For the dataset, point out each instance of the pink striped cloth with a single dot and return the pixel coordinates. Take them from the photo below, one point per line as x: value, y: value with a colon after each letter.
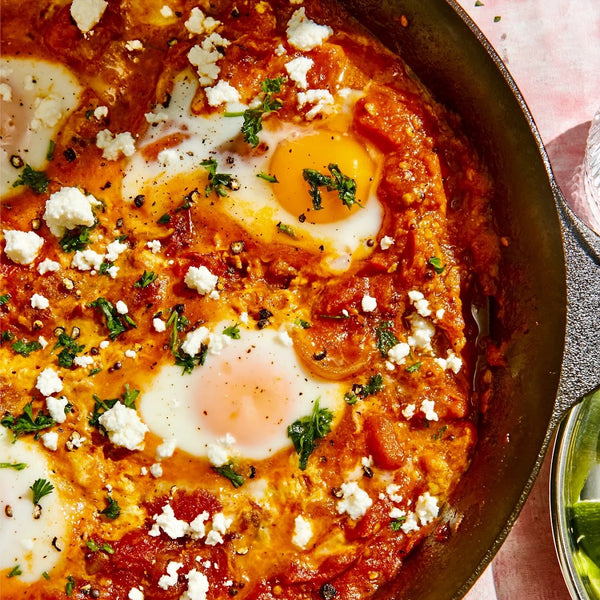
x: 552, y: 50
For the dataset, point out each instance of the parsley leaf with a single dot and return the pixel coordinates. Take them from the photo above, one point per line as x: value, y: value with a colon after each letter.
x: 105, y: 547
x: 128, y: 398
x: 36, y: 180
x: 217, y: 182
x: 344, y: 185
x: 304, y: 431
x: 233, y: 331
x: 70, y: 349
x: 396, y: 524
x: 70, y: 585
x: 436, y: 263
x: 15, y: 571
x: 228, y: 472
x: 25, y: 348
x: 40, y: 488
x: 267, y: 177
x: 4, y: 299
x: 286, y: 229
x: 15, y: 466
x: 146, y: 279
x: 112, y: 510
x: 183, y: 359
x: 253, y: 117
x: 25, y: 423
x: 374, y: 385
x: 76, y: 239
x: 413, y: 368
x: 385, y: 337
x: 114, y: 321
x: 166, y: 218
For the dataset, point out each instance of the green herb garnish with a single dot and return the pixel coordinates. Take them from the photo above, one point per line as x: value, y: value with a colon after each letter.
x: 344, y: 185
x: 128, y: 398
x: 70, y: 349
x: 15, y: 571
x: 233, y: 331
x: 374, y: 385
x: 436, y: 263
x: 146, y: 279
x: 50, y: 151
x: 396, y: 524
x: 15, y: 466
x: 302, y: 323
x: 267, y: 177
x: 304, y: 431
x: 76, y: 239
x: 414, y: 367
x: 166, y: 218
x: 70, y: 585
x: 36, y: 180
x: 4, y: 299
x: 286, y: 229
x: 228, y: 472
x: 112, y: 510
x: 106, y: 547
x: 217, y: 182
x: 385, y: 337
x: 25, y: 348
x: 115, y: 322
x: 40, y: 488
x: 26, y: 423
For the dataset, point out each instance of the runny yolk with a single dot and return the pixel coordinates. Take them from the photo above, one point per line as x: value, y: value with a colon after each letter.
x: 246, y: 396
x: 317, y: 152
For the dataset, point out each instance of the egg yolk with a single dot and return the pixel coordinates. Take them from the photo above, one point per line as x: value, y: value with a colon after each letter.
x: 317, y: 152
x: 248, y: 398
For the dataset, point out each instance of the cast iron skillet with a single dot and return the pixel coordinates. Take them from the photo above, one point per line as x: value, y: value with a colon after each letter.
x: 551, y: 283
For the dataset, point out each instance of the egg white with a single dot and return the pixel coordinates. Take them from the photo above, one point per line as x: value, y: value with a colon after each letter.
x: 26, y: 128
x: 254, y: 205
x: 252, y: 389
x: 30, y: 543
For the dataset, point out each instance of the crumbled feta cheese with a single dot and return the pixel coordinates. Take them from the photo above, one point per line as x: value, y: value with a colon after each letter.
x: 170, y: 579
x: 5, y: 92
x: 451, y: 362
x: 199, y: 23
x: 48, y: 266
x: 426, y: 508
x: 130, y: 353
x: 386, y: 242
x: 193, y: 341
x: 397, y: 354
x: 22, y: 247
x: 104, y: 344
x: 87, y: 260
x: 113, y: 145
x: 197, y: 586
x: 48, y: 382
x: 166, y: 449
x: 154, y: 246
x: 392, y: 491
x: 205, y: 57
x: 121, y: 307
x: 169, y: 157
x: 100, y: 112
x: 213, y: 538
x: 124, y: 427
x: 280, y: 50
x: 320, y: 98
x: 302, y: 532
x: 83, y: 361
x: 197, y: 528
x: 69, y: 208
x: 439, y: 314
x: 428, y: 409
x: 409, y: 411
x: 133, y: 45
x: 355, y: 501
x: 419, y: 302
x: 166, y: 11
x: 114, y: 250
x: 221, y: 93
x: 112, y: 271
x: 159, y: 325
x: 422, y: 333
x: 48, y: 112
x: 221, y: 523
x: 135, y: 594
x: 410, y: 523
x: 42, y: 341
x: 156, y: 470
x: 56, y: 406
x: 50, y: 440
x: 167, y: 521
x: 298, y: 69
x: 304, y: 34
x: 201, y: 279
x: 368, y: 303
x: 284, y: 338
x: 156, y: 118
x: 40, y: 302
x: 87, y: 13
x: 219, y: 452
x: 244, y: 318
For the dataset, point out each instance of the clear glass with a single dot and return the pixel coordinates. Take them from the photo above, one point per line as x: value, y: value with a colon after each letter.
x: 575, y: 498
x: 591, y: 172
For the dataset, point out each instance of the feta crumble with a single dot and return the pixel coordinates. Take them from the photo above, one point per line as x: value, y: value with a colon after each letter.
x: 409, y: 411
x: 170, y: 579
x: 56, y: 407
x: 221, y: 93
x: 201, y: 279
x: 386, y: 242
x: 321, y: 99
x: 298, y: 69
x: 197, y: 586
x: 87, y: 13
x: 48, y: 382
x: 22, y: 247
x: 355, y: 501
x: 159, y: 325
x: 167, y: 521
x: 304, y: 34
x: 115, y: 144
x: 199, y: 23
x: 451, y: 362
x: 426, y: 508
x: 205, y: 56
x: 154, y: 246
x: 48, y: 266
x: 124, y: 427
x: 100, y: 112
x: 419, y: 302
x: 193, y: 341
x: 428, y: 409
x: 87, y: 260
x: 68, y: 208
x: 133, y: 45
x: 397, y: 354
x: 197, y: 528
x: 50, y: 440
x: 83, y: 361
x: 114, y: 250
x: 219, y: 452
x: 121, y: 307
x: 422, y: 333
x: 135, y: 594
x: 368, y: 303
x: 302, y: 532
x: 166, y: 11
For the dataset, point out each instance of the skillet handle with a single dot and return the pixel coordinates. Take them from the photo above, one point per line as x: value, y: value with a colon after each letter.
x: 580, y: 372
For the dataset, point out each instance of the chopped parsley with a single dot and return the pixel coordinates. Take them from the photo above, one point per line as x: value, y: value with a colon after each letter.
x: 15, y: 466
x: 344, y: 185
x: 70, y: 349
x: 25, y: 348
x: 217, y: 182
x: 70, y: 585
x: 128, y: 398
x: 146, y: 279
x: 105, y: 547
x: 40, y: 488
x: 385, y: 337
x: 302, y: 323
x: 286, y: 229
x: 166, y: 218
x: 7, y: 336
x: 439, y: 434
x: 105, y: 267
x: 116, y: 323
x: 233, y: 331
x: 50, y: 151
x: 229, y: 472
x: 360, y: 391
x: 497, y: 18
x: 267, y: 177
x: 177, y: 321
x: 36, y: 180
x: 189, y: 363
x: 112, y: 510
x: 396, y: 524
x: 26, y: 423
x: 304, y: 431
x: 15, y: 571
x: 76, y: 239
x: 414, y: 367
x: 436, y: 263
x: 253, y: 117
x: 4, y: 299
